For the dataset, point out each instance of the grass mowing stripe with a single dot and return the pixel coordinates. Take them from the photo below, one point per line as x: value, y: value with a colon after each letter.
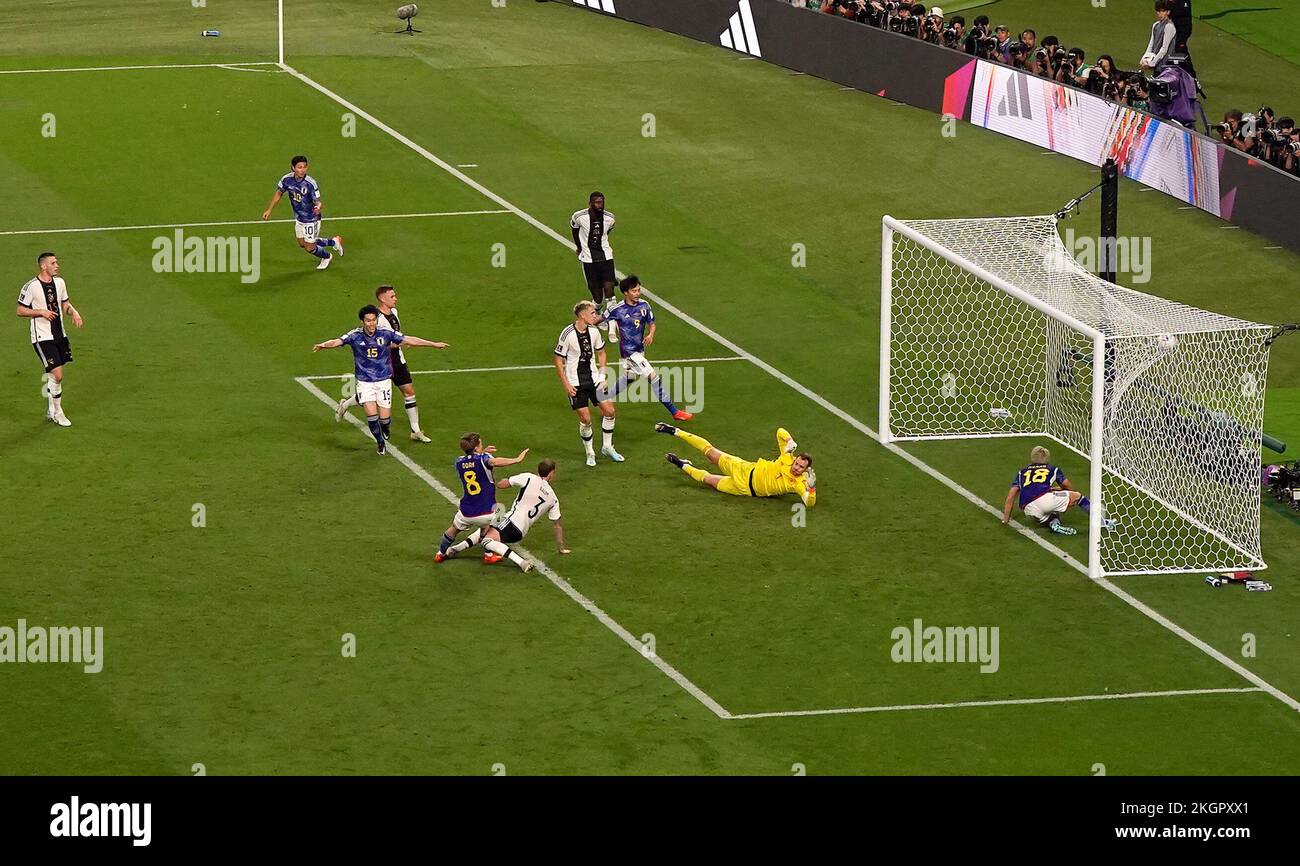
x: 563, y: 585
x: 1150, y: 613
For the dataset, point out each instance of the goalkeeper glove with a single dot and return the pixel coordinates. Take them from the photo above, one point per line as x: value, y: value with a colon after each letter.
x: 812, y: 478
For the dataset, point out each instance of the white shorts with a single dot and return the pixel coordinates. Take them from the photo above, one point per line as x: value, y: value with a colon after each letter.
x: 1054, y: 502
x: 376, y: 392
x: 636, y: 364
x: 306, y: 231
x: 462, y: 522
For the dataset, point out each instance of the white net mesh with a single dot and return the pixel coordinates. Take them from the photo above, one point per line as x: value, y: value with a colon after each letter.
x: 1183, y: 396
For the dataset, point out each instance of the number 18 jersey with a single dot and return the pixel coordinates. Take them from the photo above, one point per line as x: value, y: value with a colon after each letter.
x: 475, y: 474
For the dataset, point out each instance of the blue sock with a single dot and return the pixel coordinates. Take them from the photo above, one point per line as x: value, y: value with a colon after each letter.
x: 619, y: 386
x: 1085, y: 505
x: 321, y: 252
x: 447, y: 541
x: 325, y: 242
x: 663, y: 398
x: 386, y: 424
x: 372, y: 421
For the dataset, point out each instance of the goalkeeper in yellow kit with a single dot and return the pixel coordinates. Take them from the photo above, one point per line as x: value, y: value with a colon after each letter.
x: 788, y: 473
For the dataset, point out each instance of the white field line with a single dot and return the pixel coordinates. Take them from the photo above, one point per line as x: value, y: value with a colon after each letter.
x: 1155, y: 616
x: 378, y: 216
x: 541, y: 567
x: 995, y: 703
x: 517, y: 367
x: 144, y: 66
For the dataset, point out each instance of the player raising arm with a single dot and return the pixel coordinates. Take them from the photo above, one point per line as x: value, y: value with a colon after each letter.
x: 535, y: 496
x: 304, y: 195
x: 479, y: 500
x: 788, y: 473
x: 1044, y: 493
x: 373, y: 362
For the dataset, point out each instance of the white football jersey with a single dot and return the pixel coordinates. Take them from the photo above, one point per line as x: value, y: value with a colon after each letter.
x: 534, y: 498
x: 578, y: 349
x: 37, y: 297
x: 591, y: 248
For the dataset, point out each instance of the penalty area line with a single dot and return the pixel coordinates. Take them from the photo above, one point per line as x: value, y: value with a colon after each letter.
x: 1007, y: 702
x: 328, y: 219
x: 332, y: 377
x: 542, y: 568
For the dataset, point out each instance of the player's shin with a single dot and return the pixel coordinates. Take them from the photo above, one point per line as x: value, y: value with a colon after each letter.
x: 320, y: 252
x: 658, y: 385
x: 447, y: 541
x: 584, y: 432
x: 412, y: 414
x: 372, y: 421
x: 468, y: 542
x: 54, y: 391
x: 1085, y: 504
x: 607, y: 431
x: 698, y: 474
x: 497, y: 548
x: 697, y: 442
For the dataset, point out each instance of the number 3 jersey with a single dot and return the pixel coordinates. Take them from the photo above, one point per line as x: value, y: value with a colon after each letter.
x: 535, y: 497
x: 1035, y: 480
x: 475, y: 474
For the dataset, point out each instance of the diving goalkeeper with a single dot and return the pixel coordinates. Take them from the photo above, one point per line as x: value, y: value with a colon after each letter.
x: 788, y: 473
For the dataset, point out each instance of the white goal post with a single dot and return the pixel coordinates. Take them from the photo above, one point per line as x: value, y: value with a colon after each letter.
x: 990, y: 328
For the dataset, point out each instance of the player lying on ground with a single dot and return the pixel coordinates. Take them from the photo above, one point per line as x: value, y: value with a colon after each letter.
x: 535, y: 496
x: 44, y: 300
x: 304, y: 195
x: 580, y: 364
x: 635, y: 323
x: 788, y: 473
x: 1045, y: 493
x: 478, y: 503
x: 386, y: 296
x: 373, y: 363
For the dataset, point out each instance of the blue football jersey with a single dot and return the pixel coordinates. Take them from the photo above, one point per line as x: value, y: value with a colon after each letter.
x: 372, y: 353
x: 1035, y: 480
x: 480, y: 492
x: 303, y: 195
x: 633, y: 320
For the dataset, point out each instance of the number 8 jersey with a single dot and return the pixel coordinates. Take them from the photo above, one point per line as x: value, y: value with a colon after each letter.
x: 475, y: 474
x: 535, y: 497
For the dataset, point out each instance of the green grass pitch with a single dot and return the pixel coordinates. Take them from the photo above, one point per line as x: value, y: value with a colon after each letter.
x: 223, y: 643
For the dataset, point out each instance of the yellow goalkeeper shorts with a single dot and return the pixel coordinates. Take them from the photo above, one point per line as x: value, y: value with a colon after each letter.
x: 737, y: 472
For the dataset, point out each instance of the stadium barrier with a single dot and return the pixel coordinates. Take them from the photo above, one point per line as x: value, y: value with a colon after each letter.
x: 1162, y: 155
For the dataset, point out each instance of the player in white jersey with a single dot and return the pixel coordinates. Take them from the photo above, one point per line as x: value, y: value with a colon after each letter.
x: 535, y: 498
x: 386, y: 300
x: 580, y: 364
x: 44, y: 300
x: 591, y: 227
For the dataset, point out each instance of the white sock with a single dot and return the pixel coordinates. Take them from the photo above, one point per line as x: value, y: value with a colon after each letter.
x: 466, y: 543
x: 412, y: 414
x: 349, y: 402
x: 55, y: 392
x: 607, y: 429
x: 584, y: 431
x: 491, y: 545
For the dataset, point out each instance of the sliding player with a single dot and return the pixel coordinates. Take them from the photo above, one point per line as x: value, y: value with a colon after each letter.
x: 478, y: 504
x: 388, y: 321
x: 788, y: 473
x: 534, y: 497
x: 44, y: 300
x: 636, y: 330
x: 580, y: 364
x: 1045, y: 493
x: 304, y: 195
x: 374, y: 368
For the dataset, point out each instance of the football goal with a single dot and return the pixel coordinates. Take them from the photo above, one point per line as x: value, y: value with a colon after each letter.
x: 989, y: 328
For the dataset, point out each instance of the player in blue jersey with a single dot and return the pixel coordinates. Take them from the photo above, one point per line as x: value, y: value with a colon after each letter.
x: 304, y: 195
x: 478, y: 502
x: 1044, y: 493
x: 372, y: 355
x: 636, y: 330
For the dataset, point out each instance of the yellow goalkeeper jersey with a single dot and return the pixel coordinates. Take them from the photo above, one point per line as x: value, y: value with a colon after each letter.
x: 773, y: 477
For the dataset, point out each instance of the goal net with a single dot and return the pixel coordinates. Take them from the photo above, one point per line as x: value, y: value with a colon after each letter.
x: 989, y: 327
